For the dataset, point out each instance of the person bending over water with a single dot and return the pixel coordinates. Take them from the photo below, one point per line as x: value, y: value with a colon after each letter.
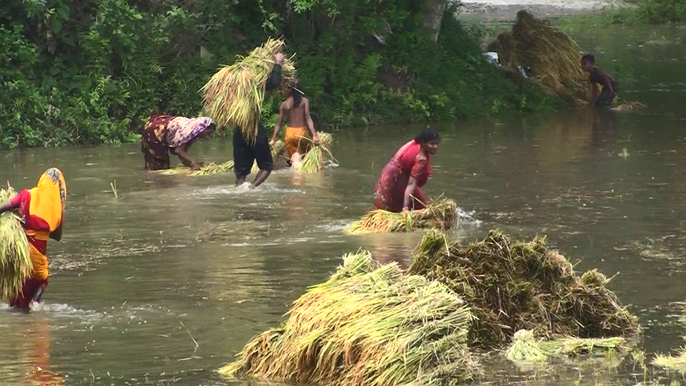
x: 602, y: 78
x: 167, y: 133
x: 399, y: 187
x: 297, y: 109
x: 41, y: 210
x: 246, y: 153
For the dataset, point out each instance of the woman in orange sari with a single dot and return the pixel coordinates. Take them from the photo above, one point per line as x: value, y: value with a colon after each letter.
x: 399, y: 187
x: 41, y: 210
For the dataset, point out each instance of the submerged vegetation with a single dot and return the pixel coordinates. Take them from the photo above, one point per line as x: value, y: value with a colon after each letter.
x: 93, y: 71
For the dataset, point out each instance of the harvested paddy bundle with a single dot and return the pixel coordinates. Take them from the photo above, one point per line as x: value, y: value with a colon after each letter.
x: 313, y: 161
x: 552, y: 56
x: 367, y: 325
x: 526, y: 348
x: 673, y: 363
x: 226, y: 167
x: 522, y: 285
x: 440, y: 214
x: 628, y: 106
x: 15, y: 260
x: 234, y: 95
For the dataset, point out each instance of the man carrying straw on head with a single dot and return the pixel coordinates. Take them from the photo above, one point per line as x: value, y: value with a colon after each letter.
x: 245, y: 152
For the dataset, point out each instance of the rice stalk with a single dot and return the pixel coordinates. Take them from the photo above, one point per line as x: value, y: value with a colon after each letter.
x: 440, y: 214
x: 672, y: 362
x: 515, y: 285
x: 526, y: 348
x: 234, y: 95
x: 628, y: 106
x: 313, y: 161
x: 15, y: 259
x: 367, y: 325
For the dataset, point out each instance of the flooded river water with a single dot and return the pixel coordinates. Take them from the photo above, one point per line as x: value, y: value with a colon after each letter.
x: 165, y: 283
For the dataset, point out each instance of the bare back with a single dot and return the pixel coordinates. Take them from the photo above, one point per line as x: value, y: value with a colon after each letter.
x: 297, y: 116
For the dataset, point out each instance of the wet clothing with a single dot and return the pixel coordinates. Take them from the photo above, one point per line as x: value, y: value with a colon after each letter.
x: 164, y: 133
x: 246, y: 153
x: 40, y: 209
x: 297, y: 140
x: 606, y: 97
x: 408, y: 162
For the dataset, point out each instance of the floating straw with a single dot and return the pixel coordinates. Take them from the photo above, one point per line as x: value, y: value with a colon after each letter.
x: 526, y: 348
x: 441, y: 214
x: 234, y: 95
x: 15, y: 260
x: 367, y: 325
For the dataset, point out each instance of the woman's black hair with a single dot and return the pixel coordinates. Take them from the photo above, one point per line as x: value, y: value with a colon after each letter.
x: 428, y: 135
x: 588, y: 58
x: 296, y: 94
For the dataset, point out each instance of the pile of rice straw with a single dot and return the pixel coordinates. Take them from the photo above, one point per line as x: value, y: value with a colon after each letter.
x: 526, y: 348
x: 551, y: 54
x: 234, y: 95
x: 15, y: 260
x: 440, y: 214
x: 511, y: 286
x: 226, y: 167
x: 367, y: 325
x: 313, y: 161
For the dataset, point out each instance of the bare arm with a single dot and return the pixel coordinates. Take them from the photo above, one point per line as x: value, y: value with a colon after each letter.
x: 186, y: 159
x: 275, y: 78
x: 608, y: 85
x: 279, y: 120
x: 594, y: 90
x: 409, y: 191
x: 310, y: 123
x: 7, y: 206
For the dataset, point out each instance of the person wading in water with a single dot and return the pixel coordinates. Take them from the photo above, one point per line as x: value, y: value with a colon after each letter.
x: 599, y: 77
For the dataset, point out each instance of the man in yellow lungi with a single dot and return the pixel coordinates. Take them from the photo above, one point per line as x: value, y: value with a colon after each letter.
x: 298, y: 140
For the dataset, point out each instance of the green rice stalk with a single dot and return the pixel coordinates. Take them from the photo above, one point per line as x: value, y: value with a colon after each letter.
x: 234, y: 95
x: 552, y: 55
x: 672, y: 362
x: 15, y: 260
x: 515, y: 285
x: 313, y: 161
x: 526, y: 348
x: 367, y: 325
x: 440, y: 214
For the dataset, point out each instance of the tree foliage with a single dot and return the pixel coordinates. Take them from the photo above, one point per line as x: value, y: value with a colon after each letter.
x: 92, y: 71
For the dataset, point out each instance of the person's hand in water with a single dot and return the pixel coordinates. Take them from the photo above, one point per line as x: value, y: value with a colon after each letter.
x: 278, y: 58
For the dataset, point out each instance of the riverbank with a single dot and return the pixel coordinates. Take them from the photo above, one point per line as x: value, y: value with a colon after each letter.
x: 506, y: 10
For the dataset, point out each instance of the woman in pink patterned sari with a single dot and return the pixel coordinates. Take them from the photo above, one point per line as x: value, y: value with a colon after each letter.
x: 166, y: 133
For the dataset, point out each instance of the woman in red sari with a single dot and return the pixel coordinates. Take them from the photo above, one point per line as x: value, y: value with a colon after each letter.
x: 399, y: 187
x: 41, y: 210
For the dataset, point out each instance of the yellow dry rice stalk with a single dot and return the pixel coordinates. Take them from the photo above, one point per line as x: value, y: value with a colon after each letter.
x: 441, y: 214
x: 670, y: 362
x: 367, y: 325
x: 313, y: 161
x: 515, y: 285
x: 553, y: 56
x: 226, y: 167
x: 15, y: 260
x: 526, y: 348
x: 234, y: 95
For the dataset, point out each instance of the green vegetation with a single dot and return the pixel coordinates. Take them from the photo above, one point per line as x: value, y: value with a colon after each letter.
x: 87, y: 71
x: 660, y: 11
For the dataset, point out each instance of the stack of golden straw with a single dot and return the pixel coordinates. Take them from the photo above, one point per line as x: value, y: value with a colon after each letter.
x: 15, y: 260
x: 234, y: 95
x: 440, y: 214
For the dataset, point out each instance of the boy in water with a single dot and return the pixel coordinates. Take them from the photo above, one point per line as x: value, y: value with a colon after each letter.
x: 297, y: 141
x: 599, y: 77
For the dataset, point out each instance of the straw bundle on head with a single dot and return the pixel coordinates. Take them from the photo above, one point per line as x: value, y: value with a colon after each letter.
x: 526, y: 348
x: 522, y: 285
x: 15, y: 260
x: 234, y: 95
x: 365, y: 326
x: 552, y: 55
x: 440, y: 214
x: 226, y: 167
x: 313, y: 161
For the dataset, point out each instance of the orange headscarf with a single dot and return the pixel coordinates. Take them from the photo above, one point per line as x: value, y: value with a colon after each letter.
x: 48, y: 198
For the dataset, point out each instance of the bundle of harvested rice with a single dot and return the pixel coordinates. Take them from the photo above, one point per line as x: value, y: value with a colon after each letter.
x: 670, y: 362
x: 526, y: 348
x: 226, y: 167
x: 522, y: 285
x: 234, y: 95
x: 366, y: 325
x: 628, y: 106
x: 440, y: 214
x: 15, y: 260
x: 313, y: 161
x: 552, y: 55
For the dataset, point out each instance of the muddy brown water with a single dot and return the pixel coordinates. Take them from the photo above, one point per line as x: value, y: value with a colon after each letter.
x: 166, y: 283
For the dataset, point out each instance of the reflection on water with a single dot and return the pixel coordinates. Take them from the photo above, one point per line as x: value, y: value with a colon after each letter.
x: 176, y: 260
